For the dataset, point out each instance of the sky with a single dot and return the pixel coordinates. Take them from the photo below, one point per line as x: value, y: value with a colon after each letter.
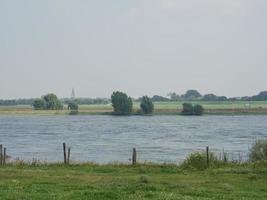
x: 141, y: 47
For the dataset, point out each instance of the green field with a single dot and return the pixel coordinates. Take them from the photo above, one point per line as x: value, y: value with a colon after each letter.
x: 123, y: 182
x: 241, y: 107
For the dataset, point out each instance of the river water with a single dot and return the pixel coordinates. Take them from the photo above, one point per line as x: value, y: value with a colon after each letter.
x: 105, y: 139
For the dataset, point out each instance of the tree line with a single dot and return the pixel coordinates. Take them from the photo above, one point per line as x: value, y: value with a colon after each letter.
x: 190, y: 95
x: 122, y: 105
x: 194, y: 95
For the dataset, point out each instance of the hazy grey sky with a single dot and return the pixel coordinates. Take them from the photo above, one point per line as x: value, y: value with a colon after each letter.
x: 137, y: 46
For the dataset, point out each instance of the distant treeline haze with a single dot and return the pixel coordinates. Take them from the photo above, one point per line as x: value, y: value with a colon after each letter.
x: 190, y: 95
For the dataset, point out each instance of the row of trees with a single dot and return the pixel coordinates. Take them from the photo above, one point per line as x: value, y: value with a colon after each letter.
x: 190, y: 95
x: 80, y: 101
x: 87, y: 101
x: 51, y: 102
x: 122, y: 105
x: 14, y: 102
x: 48, y: 102
x: 194, y: 95
x: 190, y: 109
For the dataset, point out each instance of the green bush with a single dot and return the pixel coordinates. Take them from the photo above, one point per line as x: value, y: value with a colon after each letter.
x: 39, y: 104
x: 52, y: 102
x: 147, y: 105
x: 73, y: 106
x: 121, y: 103
x: 198, y: 160
x: 258, y: 151
x: 198, y: 110
x: 189, y: 109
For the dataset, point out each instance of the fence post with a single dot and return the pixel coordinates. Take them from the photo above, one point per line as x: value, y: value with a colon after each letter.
x: 64, y: 152
x: 134, y: 156
x: 4, y: 160
x: 208, y: 156
x: 1, y: 154
x: 68, y: 160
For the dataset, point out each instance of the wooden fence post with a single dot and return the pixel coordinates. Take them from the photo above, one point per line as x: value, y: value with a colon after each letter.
x: 4, y: 160
x: 68, y: 160
x: 208, y: 156
x: 1, y: 154
x: 64, y: 152
x: 134, y: 156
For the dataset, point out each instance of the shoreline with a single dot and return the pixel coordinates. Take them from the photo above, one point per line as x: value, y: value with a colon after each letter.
x: 224, y: 112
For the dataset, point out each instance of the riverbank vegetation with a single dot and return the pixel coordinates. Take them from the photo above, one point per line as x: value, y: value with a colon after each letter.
x: 121, y: 103
x: 175, y: 104
x: 190, y: 109
x: 190, y: 95
x: 146, y: 105
x: 48, y: 102
x: 160, y: 108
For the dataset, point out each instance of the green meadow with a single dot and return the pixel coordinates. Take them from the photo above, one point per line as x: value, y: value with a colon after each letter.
x: 123, y: 182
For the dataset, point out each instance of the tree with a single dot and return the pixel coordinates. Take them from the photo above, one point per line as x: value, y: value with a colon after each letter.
x: 73, y: 106
x: 121, y: 103
x: 39, y: 104
x: 210, y: 97
x: 213, y: 97
x: 191, y: 95
x: 52, y: 102
x: 198, y: 110
x: 222, y: 98
x: 173, y: 96
x: 189, y: 109
x: 262, y: 96
x: 147, y: 105
x: 159, y: 98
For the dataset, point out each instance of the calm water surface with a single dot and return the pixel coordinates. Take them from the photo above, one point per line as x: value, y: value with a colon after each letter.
x: 106, y: 139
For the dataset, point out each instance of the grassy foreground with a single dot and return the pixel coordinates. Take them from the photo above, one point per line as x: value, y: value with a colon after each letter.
x: 89, y: 181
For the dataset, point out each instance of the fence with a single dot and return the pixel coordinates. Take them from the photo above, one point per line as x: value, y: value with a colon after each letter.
x: 237, y: 157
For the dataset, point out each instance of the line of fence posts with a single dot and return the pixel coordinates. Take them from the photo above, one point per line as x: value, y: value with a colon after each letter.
x: 66, y: 154
x: 2, y: 155
x: 134, y: 156
x: 208, y: 156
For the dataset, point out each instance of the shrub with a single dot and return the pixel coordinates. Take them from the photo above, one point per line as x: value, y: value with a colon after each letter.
x: 52, y: 102
x: 73, y: 106
x: 189, y: 109
x: 258, y: 151
x: 39, y: 104
x: 147, y: 105
x: 198, y: 110
x: 121, y: 103
x: 198, y: 160
x: 48, y: 102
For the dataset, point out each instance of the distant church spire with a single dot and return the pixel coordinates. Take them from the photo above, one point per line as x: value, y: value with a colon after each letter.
x: 72, y: 94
